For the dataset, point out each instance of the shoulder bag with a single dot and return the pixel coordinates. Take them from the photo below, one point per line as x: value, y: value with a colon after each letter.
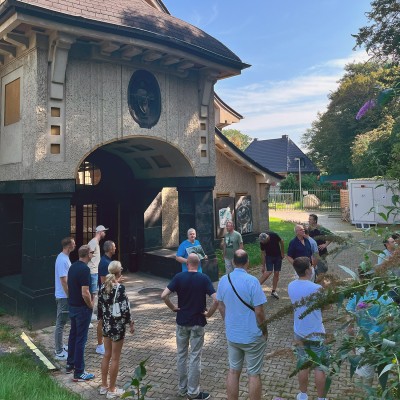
x: 116, y: 310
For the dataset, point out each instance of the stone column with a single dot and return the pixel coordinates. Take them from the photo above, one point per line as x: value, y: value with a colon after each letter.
x: 46, y: 220
x: 196, y: 211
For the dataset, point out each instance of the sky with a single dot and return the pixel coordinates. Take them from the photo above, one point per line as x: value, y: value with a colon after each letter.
x: 297, y: 51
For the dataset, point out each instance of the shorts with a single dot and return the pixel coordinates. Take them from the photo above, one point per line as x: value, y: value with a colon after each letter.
x: 94, y: 281
x: 273, y: 263
x: 253, y: 353
x: 316, y: 346
x: 228, y: 266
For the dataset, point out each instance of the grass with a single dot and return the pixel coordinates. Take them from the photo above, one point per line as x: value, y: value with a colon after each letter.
x: 282, y: 228
x: 7, y: 335
x: 23, y: 378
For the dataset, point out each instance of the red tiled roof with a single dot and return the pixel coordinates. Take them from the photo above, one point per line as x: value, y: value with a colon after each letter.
x: 136, y: 16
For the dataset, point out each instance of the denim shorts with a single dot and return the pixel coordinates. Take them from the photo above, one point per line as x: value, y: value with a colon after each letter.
x: 273, y: 263
x: 94, y: 281
x: 253, y: 353
x: 316, y: 346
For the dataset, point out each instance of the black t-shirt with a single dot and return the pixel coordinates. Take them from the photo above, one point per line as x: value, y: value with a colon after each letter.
x: 191, y: 288
x: 315, y: 233
x: 78, y: 276
x: 272, y: 247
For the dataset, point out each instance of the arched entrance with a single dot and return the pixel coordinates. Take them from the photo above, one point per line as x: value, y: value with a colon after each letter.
x: 119, y: 185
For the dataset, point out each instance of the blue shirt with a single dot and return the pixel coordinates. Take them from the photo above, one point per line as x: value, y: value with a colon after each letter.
x: 297, y: 249
x: 191, y: 288
x: 240, y: 321
x: 78, y: 276
x: 103, y: 267
x: 183, y: 253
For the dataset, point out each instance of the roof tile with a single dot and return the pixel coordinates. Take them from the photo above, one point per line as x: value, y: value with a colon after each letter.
x: 135, y: 14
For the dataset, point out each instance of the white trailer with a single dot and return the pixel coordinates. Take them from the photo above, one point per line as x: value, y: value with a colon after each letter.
x: 368, y: 198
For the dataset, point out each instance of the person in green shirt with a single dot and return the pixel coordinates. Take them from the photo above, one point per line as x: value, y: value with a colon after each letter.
x: 232, y: 242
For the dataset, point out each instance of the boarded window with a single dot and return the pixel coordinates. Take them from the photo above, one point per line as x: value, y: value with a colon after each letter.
x: 12, y: 102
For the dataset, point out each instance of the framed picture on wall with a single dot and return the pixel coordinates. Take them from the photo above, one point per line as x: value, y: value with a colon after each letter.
x: 244, y: 214
x: 224, y: 211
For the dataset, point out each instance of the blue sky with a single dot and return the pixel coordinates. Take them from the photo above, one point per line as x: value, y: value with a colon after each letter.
x: 297, y: 50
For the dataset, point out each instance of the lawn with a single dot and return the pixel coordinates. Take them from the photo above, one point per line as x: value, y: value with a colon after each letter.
x: 22, y: 375
x: 282, y: 228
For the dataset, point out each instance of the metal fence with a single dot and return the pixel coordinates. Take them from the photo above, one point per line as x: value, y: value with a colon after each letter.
x: 314, y: 199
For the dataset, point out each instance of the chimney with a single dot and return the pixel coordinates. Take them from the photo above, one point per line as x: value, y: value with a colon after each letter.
x: 255, y: 139
x: 285, y: 137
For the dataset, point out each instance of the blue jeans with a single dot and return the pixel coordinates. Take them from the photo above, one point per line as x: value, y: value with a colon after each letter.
x: 189, y: 375
x: 80, y: 320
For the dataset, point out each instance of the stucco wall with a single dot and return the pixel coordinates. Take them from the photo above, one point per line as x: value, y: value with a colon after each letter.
x: 96, y: 113
x: 232, y: 179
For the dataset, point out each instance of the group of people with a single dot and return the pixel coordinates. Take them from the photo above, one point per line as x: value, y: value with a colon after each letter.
x: 76, y: 286
x: 239, y: 299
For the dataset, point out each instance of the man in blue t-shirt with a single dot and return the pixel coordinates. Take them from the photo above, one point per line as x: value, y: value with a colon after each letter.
x: 299, y: 246
x: 191, y: 287
x: 188, y: 246
x: 80, y: 312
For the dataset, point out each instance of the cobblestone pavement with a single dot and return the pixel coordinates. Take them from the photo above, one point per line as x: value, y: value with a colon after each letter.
x: 155, y: 338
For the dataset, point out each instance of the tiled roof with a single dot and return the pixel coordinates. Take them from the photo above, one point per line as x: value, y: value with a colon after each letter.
x: 135, y: 16
x: 246, y: 156
x: 279, y: 155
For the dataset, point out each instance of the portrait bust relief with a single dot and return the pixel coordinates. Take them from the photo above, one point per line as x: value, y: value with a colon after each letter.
x: 144, y: 99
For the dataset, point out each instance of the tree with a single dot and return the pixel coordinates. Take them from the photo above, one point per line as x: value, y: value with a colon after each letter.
x: 239, y: 139
x: 381, y: 38
x: 331, y: 136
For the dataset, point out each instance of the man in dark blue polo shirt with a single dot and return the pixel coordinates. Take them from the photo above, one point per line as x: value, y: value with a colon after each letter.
x: 191, y: 287
x: 299, y: 246
x: 80, y: 312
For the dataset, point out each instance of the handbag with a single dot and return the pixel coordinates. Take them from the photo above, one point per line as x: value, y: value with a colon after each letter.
x: 116, y: 310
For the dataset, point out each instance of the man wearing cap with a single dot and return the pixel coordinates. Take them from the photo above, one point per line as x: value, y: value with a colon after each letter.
x: 232, y: 241
x: 93, y: 264
x: 272, y: 252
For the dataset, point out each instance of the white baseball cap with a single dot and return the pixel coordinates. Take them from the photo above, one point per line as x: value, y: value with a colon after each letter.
x: 101, y: 228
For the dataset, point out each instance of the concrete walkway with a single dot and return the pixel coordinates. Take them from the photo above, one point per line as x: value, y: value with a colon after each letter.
x: 155, y: 338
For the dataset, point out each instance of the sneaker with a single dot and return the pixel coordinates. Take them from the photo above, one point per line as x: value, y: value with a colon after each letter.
x: 103, y: 390
x: 182, y: 393
x: 90, y: 326
x: 201, y: 395
x: 100, y: 349
x: 62, y: 356
x: 302, y: 396
x: 83, y: 377
x: 69, y: 369
x: 65, y: 347
x: 274, y: 294
x: 117, y: 393
x: 94, y: 317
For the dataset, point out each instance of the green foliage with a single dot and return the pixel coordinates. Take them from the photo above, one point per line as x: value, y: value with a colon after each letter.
x: 136, y: 388
x: 289, y: 183
x: 381, y: 37
x: 23, y: 378
x: 239, y: 139
x: 332, y: 135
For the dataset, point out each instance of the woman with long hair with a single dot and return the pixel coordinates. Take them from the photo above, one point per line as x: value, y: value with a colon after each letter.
x: 114, y: 326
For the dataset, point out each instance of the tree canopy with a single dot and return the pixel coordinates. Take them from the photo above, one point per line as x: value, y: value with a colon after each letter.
x: 239, y: 139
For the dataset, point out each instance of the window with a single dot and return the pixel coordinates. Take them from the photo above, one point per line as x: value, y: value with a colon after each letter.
x: 89, y: 221
x: 12, y: 102
x: 88, y: 174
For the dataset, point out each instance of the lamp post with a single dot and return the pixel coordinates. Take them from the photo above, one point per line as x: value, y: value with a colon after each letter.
x: 301, y: 193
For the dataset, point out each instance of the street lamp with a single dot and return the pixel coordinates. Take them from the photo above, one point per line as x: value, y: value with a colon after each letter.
x: 301, y: 193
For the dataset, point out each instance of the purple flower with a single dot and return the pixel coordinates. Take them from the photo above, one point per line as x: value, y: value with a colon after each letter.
x: 362, y: 305
x: 366, y: 107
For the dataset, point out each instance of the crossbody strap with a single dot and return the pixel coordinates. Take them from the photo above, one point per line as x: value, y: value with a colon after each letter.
x: 116, y: 291
x: 237, y: 294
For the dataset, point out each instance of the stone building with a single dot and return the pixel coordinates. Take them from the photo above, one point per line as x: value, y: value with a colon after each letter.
x: 106, y: 109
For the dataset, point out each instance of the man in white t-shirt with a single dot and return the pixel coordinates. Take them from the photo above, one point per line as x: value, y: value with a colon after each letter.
x: 309, y: 332
x: 61, y: 294
x: 93, y: 264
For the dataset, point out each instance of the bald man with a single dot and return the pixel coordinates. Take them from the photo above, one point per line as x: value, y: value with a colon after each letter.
x: 191, y: 287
